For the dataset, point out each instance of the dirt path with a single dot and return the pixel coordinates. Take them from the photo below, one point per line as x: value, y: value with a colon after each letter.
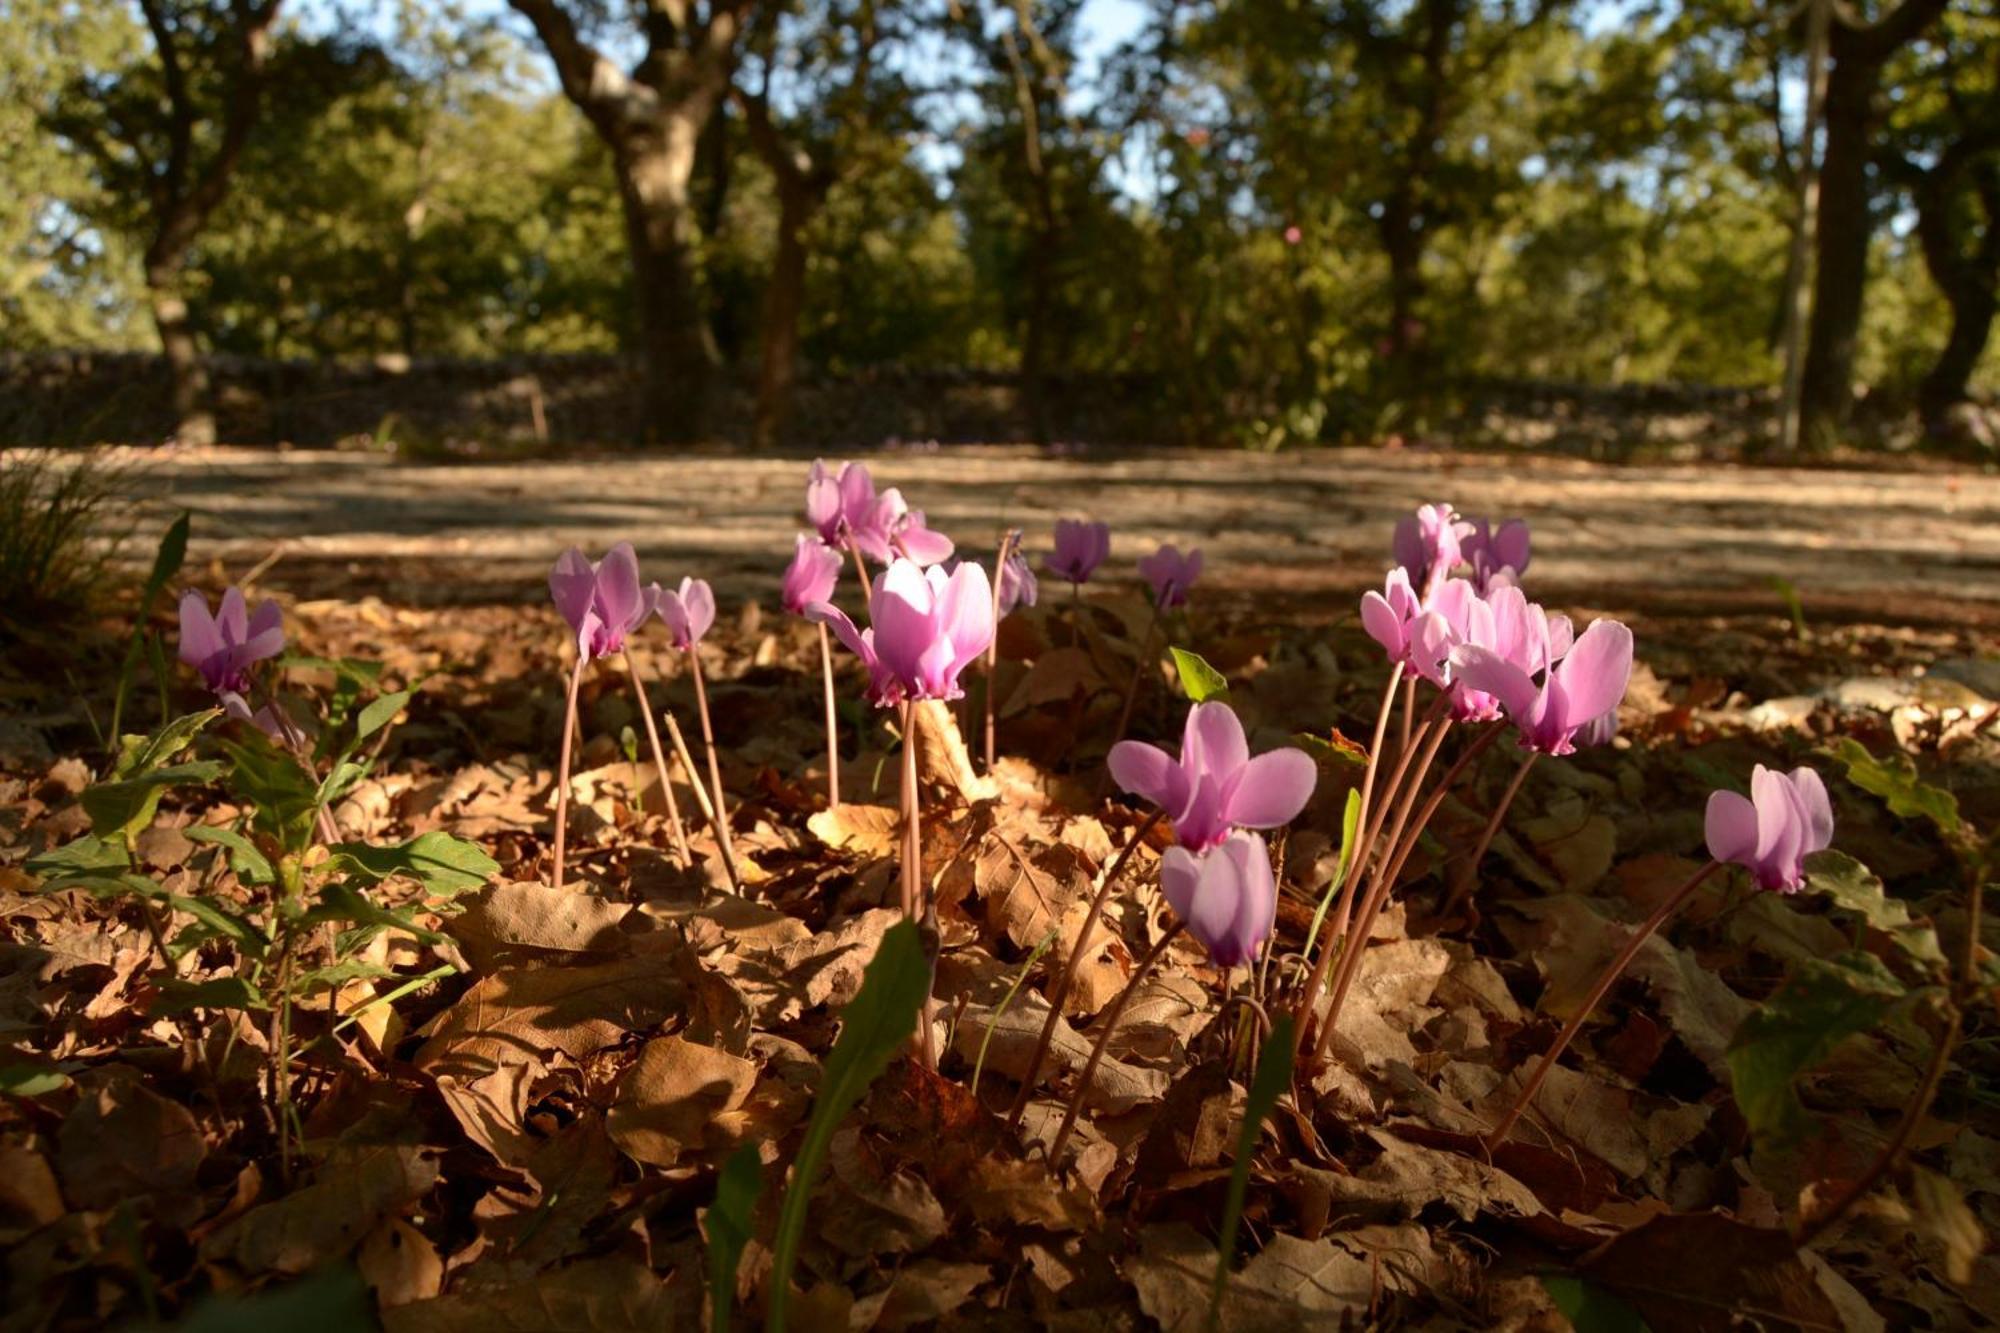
x: 1919, y: 548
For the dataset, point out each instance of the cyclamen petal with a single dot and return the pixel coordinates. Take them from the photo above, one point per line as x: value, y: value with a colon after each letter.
x: 1215, y: 786
x: 812, y: 575
x: 1080, y: 548
x: 224, y: 646
x: 1785, y: 820
x: 927, y: 627
x: 1227, y: 896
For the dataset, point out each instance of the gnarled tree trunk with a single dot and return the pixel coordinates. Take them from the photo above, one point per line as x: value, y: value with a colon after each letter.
x: 1846, y: 221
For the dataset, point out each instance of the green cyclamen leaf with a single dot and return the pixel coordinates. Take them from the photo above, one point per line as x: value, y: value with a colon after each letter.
x: 1273, y: 1076
x: 444, y: 865
x: 179, y: 997
x: 1894, y: 779
x: 728, y: 1227
x: 1854, y: 888
x: 1590, y: 1308
x: 1821, y: 1005
x: 873, y: 1027
x: 380, y: 713
x: 123, y: 809
x: 87, y: 855
x: 1201, y: 681
x: 251, y: 865
x: 140, y: 755
x: 333, y: 1300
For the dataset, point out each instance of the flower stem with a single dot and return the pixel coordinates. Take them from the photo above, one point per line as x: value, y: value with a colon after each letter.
x: 1469, y: 876
x: 861, y: 572
x: 1603, y: 984
x: 832, y: 721
x: 1409, y: 706
x: 1349, y: 874
x: 714, y: 772
x: 1007, y: 542
x: 1391, y: 866
x: 562, y: 771
x: 1109, y: 1024
x: 1061, y: 991
x: 660, y: 762
x: 914, y: 907
x: 701, y: 795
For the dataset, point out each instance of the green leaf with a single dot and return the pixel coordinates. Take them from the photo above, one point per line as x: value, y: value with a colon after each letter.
x: 179, y: 997
x: 140, y: 755
x: 1895, y: 780
x: 1350, y: 824
x: 874, y: 1026
x: 243, y: 932
x: 380, y: 713
x: 88, y: 854
x: 250, y: 865
x: 31, y: 1080
x: 1854, y: 889
x: 444, y: 865
x: 728, y: 1226
x: 123, y: 809
x: 1821, y: 1005
x: 167, y: 560
x: 1267, y: 1084
x: 271, y: 781
x: 1590, y: 1308
x: 333, y: 1300
x: 1201, y: 681
x: 344, y: 902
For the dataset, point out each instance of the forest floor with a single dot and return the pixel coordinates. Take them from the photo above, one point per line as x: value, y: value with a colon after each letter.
x: 519, y: 1124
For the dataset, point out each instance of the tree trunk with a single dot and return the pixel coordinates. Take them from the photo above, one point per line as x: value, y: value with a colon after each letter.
x: 194, y: 423
x: 1845, y: 220
x: 784, y: 301
x: 1970, y: 284
x: 1846, y: 225
x: 655, y: 167
x: 1035, y: 333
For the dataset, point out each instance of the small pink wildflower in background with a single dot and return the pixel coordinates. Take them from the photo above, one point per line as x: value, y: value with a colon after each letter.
x: 1171, y: 575
x: 688, y: 611
x: 1080, y: 548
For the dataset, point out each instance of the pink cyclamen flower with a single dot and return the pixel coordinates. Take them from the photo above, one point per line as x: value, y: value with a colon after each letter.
x: 1786, y: 818
x: 1293, y: 235
x: 1215, y: 785
x: 1499, y: 556
x: 811, y: 576
x: 1171, y: 575
x: 1418, y: 641
x: 688, y: 611
x: 894, y: 530
x: 1226, y: 895
x: 1575, y: 693
x: 1080, y: 548
x: 1017, y: 583
x: 603, y: 603
x: 224, y: 646
x: 839, y: 504
x: 1426, y: 544
x: 925, y: 627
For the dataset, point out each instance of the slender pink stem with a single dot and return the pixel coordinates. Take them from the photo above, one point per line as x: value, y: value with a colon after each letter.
x: 993, y: 648
x: 832, y: 721
x: 1604, y: 983
x: 1109, y: 1024
x: 562, y: 770
x: 681, y: 849
x: 714, y: 775
x: 1391, y: 867
x: 1061, y: 991
x: 1409, y: 706
x: 861, y: 572
x: 1469, y: 876
x: 914, y: 905
x: 1324, y: 963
